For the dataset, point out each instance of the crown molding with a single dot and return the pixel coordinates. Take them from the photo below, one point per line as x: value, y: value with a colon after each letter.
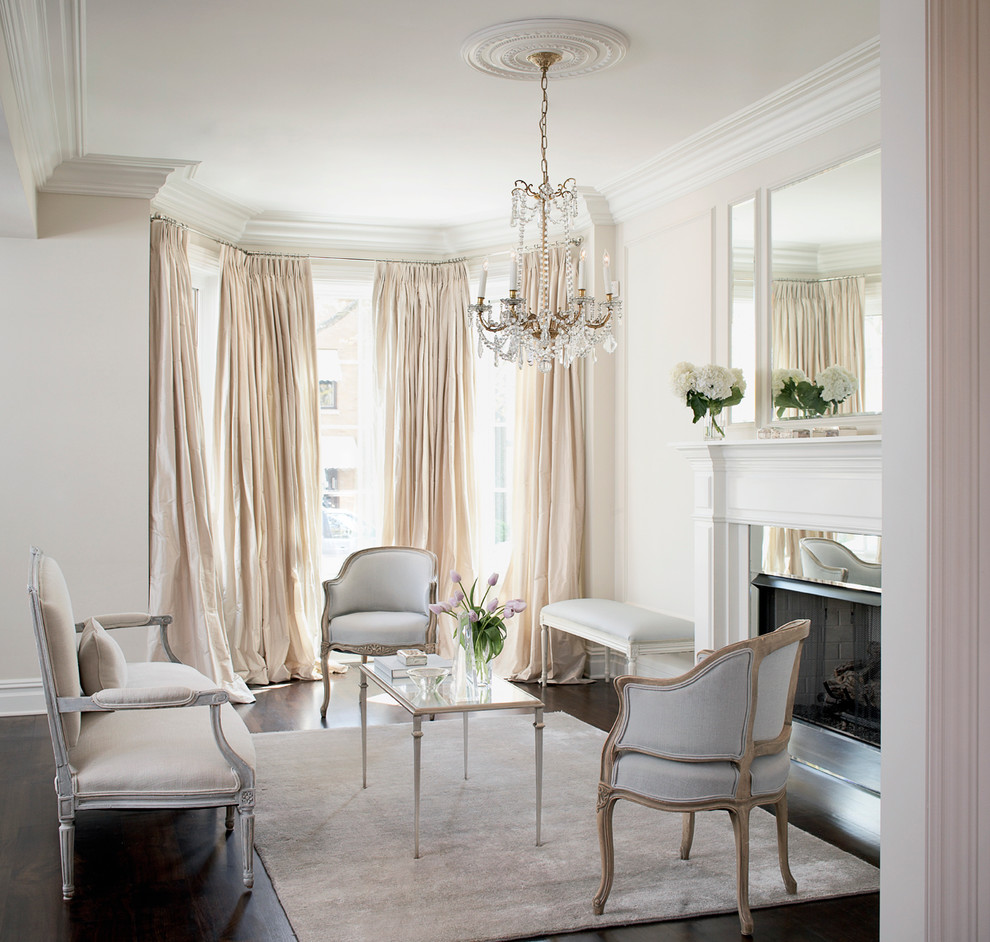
x: 838, y: 92
x: 24, y: 26
x: 201, y: 208
x: 112, y: 175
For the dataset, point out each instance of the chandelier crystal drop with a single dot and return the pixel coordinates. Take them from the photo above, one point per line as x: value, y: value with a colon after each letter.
x: 521, y: 334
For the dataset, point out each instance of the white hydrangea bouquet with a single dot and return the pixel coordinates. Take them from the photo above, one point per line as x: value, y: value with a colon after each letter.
x: 708, y: 390
x: 793, y: 390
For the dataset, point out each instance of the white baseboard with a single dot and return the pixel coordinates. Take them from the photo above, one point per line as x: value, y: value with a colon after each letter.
x: 21, y: 697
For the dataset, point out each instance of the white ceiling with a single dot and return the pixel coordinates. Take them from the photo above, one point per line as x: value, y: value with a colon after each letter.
x: 366, y: 112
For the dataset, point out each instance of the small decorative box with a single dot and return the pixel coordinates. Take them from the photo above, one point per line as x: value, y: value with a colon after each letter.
x: 411, y: 657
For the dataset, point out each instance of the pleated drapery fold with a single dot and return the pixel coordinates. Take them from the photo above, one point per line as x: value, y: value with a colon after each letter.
x: 818, y: 324
x: 184, y: 577
x: 425, y: 378
x: 548, y: 500
x: 267, y: 434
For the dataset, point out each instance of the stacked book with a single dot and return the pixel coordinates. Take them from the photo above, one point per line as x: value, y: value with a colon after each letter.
x: 395, y: 667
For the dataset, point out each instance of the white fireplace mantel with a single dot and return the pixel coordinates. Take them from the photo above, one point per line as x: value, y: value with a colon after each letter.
x: 804, y: 483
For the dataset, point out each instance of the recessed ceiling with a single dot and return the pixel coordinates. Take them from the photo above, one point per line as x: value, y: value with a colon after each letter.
x: 368, y: 112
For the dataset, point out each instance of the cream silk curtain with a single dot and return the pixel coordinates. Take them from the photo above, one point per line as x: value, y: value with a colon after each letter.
x: 267, y: 435
x: 184, y: 578
x: 818, y: 324
x: 425, y: 376
x: 548, y: 501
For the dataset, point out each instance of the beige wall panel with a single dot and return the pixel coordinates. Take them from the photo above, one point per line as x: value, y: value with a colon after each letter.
x: 74, y: 428
x: 669, y: 302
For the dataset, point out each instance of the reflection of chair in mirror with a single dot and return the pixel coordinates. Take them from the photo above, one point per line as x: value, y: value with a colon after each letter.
x: 714, y: 738
x: 377, y: 604
x: 119, y: 731
x: 833, y: 562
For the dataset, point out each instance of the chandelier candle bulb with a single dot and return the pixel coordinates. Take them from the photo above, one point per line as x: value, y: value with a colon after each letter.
x: 606, y: 273
x: 581, y: 284
x: 484, y: 281
x: 513, y: 273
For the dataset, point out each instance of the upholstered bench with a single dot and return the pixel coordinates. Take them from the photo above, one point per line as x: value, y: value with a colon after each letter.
x: 617, y: 626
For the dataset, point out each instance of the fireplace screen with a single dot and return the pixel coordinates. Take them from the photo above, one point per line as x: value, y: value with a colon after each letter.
x: 839, y: 678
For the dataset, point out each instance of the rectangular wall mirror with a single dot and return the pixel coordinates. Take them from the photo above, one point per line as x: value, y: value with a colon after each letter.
x: 742, y: 349
x: 826, y: 288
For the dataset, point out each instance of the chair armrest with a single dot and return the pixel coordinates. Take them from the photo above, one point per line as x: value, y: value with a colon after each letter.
x: 137, y: 620
x: 141, y: 698
x: 702, y: 654
x: 152, y: 698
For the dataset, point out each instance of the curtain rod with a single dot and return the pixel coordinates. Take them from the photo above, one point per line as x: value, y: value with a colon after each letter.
x: 346, y: 258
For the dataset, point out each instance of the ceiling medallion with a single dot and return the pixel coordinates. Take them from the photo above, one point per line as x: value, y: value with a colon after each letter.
x: 504, y: 50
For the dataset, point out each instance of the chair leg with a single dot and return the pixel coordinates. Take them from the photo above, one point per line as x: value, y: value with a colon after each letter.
x: 606, y: 805
x: 687, y: 834
x: 228, y: 821
x: 67, y: 847
x: 247, y: 845
x: 790, y: 884
x: 740, y: 828
x: 325, y: 651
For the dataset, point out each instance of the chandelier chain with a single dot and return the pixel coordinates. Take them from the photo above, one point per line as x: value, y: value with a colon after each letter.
x: 543, y: 130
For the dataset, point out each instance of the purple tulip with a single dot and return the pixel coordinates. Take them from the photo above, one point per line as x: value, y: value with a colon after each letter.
x: 473, y: 616
x: 493, y: 578
x: 492, y: 605
x: 455, y: 576
x: 437, y: 608
x: 519, y: 605
x: 458, y: 597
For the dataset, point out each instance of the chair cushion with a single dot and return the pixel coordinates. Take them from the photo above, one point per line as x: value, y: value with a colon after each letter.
x: 157, y: 753
x: 669, y: 780
x: 101, y: 661
x: 167, y: 674
x: 379, y: 628
x: 630, y: 622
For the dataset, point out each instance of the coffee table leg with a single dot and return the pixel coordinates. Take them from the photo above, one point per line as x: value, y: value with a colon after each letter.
x: 363, y: 701
x: 538, y: 726
x: 465, y: 745
x: 417, y: 736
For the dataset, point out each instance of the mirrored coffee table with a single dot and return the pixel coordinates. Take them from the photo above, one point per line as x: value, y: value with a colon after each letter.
x: 450, y: 698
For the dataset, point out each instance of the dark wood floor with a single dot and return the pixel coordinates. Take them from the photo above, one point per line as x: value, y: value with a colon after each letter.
x: 174, y: 876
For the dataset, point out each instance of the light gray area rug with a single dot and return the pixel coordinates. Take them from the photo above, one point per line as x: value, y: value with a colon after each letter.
x: 341, y: 858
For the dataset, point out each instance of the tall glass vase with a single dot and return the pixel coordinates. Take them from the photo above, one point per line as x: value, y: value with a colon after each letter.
x: 469, y: 658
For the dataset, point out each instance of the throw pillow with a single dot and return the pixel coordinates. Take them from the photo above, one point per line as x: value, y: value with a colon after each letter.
x: 101, y: 661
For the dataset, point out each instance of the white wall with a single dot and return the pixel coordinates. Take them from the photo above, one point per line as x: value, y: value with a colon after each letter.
x: 74, y: 427
x: 675, y: 272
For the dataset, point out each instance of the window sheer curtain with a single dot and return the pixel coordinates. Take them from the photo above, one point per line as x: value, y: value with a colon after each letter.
x: 267, y: 440
x: 818, y: 324
x: 425, y: 375
x: 184, y: 579
x: 548, y: 501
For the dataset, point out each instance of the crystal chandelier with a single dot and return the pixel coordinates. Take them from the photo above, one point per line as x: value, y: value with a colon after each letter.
x: 521, y: 334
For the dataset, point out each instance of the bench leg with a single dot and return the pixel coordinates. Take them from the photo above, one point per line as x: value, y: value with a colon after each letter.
x: 608, y: 663
x: 544, y: 651
x: 631, y: 664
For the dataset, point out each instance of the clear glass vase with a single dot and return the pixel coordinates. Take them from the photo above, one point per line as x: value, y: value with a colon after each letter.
x: 469, y: 661
x: 713, y: 430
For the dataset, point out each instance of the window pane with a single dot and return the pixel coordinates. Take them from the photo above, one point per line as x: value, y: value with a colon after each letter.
x: 344, y: 367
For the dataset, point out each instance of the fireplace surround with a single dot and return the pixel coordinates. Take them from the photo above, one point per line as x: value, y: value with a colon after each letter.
x: 804, y: 483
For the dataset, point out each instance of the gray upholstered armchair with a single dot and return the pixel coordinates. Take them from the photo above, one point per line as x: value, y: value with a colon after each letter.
x: 714, y: 738
x: 379, y: 603
x: 833, y: 562
x: 120, y: 733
